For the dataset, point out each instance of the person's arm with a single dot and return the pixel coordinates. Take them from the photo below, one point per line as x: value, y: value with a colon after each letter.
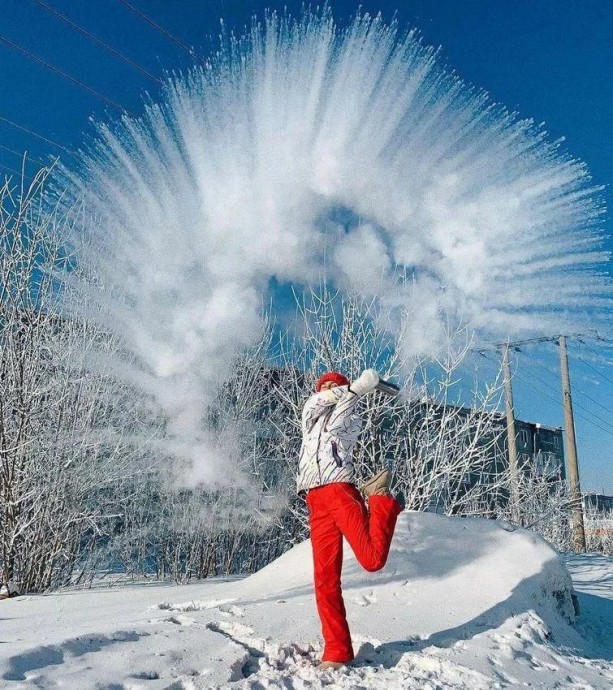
x: 342, y: 398
x: 343, y: 410
x: 318, y: 405
x: 347, y: 400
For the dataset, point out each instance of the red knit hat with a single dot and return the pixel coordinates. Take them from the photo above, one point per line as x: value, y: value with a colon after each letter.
x: 338, y: 379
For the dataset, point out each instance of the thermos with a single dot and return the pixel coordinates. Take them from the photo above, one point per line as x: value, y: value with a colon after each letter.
x: 388, y: 388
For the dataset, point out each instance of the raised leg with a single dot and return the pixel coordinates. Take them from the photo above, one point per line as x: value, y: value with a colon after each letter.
x: 369, y: 532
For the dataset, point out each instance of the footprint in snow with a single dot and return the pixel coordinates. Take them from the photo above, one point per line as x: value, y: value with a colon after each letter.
x: 194, y: 605
x: 181, y: 620
x: 366, y: 599
x: 235, y: 611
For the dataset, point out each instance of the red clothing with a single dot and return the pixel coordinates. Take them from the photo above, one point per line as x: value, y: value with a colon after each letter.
x: 337, y: 510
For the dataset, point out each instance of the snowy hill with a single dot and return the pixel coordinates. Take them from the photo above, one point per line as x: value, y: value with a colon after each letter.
x: 461, y: 604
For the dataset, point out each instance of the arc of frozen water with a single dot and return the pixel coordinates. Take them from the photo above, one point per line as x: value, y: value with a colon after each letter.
x: 235, y: 178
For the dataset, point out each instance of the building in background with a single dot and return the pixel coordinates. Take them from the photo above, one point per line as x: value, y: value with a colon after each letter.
x: 484, y: 435
x: 541, y: 447
x: 598, y: 503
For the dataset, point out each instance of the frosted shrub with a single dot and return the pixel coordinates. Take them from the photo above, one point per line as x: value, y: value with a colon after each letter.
x: 435, y: 447
x: 599, y: 530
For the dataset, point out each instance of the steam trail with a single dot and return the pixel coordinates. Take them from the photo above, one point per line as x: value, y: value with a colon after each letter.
x: 304, y: 151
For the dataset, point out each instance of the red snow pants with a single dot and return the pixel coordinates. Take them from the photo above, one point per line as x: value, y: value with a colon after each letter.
x: 337, y: 510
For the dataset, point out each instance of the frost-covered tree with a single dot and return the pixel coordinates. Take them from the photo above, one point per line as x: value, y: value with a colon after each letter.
x: 57, y: 458
x: 91, y: 481
x: 442, y: 453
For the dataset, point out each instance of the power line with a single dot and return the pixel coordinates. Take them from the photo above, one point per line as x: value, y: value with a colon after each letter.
x: 14, y: 172
x: 599, y: 357
x: 579, y: 336
x: 547, y: 369
x: 516, y: 373
x: 91, y: 36
x: 529, y: 341
x: 585, y: 395
x: 587, y: 364
x: 34, y: 134
x: 23, y: 155
x: 58, y: 71
x: 589, y: 420
x: 550, y: 397
x: 162, y: 30
x: 576, y: 404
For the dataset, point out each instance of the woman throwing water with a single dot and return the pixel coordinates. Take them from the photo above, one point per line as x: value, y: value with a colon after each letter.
x: 330, y: 428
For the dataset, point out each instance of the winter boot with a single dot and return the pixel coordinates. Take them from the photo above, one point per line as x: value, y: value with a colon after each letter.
x: 378, y: 485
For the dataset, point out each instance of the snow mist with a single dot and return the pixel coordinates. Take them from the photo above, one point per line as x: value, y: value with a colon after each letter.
x: 304, y: 152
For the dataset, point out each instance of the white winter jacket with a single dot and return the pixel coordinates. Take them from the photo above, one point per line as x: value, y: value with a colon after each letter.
x: 330, y: 429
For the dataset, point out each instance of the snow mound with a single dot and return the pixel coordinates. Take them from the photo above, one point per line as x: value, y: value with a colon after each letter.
x: 444, y: 576
x: 460, y: 604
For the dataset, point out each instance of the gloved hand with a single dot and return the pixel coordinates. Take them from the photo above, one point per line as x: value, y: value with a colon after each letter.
x: 365, y: 382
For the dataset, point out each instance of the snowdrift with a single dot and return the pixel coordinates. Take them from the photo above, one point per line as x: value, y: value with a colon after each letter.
x: 461, y: 604
x: 444, y: 576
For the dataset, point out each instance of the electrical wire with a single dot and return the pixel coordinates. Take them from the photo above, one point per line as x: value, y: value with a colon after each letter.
x: 68, y: 77
x: 34, y: 134
x: 38, y: 161
x: 516, y: 373
x: 575, y: 403
x: 162, y: 30
x: 576, y: 389
x: 587, y: 364
x: 599, y: 357
x: 106, y: 46
x: 14, y: 172
x: 550, y: 397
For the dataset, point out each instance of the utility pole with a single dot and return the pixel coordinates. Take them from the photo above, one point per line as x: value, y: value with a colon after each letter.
x: 511, y: 437
x: 578, y: 531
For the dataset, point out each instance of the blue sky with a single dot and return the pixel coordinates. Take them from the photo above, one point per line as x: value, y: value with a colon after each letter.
x: 550, y: 60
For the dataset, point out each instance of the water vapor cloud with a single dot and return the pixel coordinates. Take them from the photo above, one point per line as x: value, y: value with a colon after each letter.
x: 305, y: 151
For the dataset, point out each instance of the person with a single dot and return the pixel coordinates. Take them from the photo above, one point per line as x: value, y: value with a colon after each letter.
x: 330, y: 428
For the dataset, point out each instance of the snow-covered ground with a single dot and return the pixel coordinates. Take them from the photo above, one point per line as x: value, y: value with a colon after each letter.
x: 461, y: 604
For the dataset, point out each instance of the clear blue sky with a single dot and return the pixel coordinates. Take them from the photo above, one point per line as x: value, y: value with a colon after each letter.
x: 551, y: 60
